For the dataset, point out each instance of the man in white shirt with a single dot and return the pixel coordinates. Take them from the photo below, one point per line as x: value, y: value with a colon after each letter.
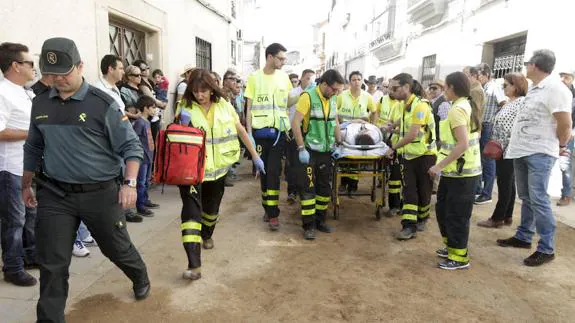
x: 17, y: 65
x: 112, y: 72
x: 307, y: 76
x: 541, y: 131
x: 372, y: 88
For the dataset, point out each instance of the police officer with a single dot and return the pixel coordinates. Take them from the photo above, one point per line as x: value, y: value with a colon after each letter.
x: 317, y: 109
x: 267, y: 121
x: 82, y: 138
x: 417, y: 140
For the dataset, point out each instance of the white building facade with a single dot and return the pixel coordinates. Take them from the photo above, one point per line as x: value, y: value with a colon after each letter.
x: 167, y: 34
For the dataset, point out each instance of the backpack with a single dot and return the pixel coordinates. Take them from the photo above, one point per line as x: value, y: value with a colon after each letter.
x: 180, y: 155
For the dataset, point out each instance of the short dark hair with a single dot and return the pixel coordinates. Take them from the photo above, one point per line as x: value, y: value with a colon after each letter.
x: 355, y: 73
x: 274, y: 49
x: 139, y: 63
x: 157, y: 71
x: 293, y: 75
x: 484, y: 69
x: 330, y: 77
x: 144, y: 102
x: 364, y: 139
x: 10, y: 53
x: 229, y: 73
x: 306, y: 71
x: 472, y: 70
x: 519, y: 82
x: 107, y: 61
x: 544, y: 60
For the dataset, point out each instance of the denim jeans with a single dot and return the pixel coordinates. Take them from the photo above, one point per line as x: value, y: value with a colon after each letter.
x: 487, y: 164
x: 532, y: 177
x: 17, y: 222
x: 142, y: 186
x: 82, y: 232
x: 567, y: 190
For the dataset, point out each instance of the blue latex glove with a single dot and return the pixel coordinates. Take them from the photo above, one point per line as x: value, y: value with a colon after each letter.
x: 336, y: 154
x: 185, y: 117
x: 259, y: 165
x: 304, y: 157
x: 344, y: 125
x: 252, y: 140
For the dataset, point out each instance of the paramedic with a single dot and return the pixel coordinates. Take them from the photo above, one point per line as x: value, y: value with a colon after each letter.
x: 460, y: 169
x: 204, y: 106
x: 417, y: 138
x: 316, y: 131
x: 267, y: 121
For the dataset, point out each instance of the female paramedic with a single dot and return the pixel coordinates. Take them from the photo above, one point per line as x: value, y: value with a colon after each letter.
x: 203, y: 106
x: 460, y: 168
x: 418, y: 153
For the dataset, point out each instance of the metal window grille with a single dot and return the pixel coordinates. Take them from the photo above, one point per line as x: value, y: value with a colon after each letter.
x: 428, y: 70
x: 127, y: 43
x: 203, y: 54
x: 508, y: 56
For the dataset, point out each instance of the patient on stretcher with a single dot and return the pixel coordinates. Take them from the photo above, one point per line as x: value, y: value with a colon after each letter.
x: 362, y: 139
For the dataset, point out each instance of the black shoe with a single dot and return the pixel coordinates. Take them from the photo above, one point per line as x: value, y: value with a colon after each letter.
x: 538, y: 259
x: 31, y: 265
x: 453, y: 265
x: 322, y: 227
x: 482, y: 200
x: 20, y: 278
x: 309, y: 234
x: 406, y: 234
x: 133, y: 217
x: 142, y: 292
x: 151, y: 205
x: 513, y: 242
x: 146, y: 212
x: 421, y: 226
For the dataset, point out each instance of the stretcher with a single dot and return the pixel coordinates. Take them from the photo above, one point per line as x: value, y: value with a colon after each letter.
x: 360, y: 161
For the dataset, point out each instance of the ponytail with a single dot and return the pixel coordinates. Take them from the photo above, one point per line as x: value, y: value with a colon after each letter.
x: 417, y: 89
x: 475, y: 123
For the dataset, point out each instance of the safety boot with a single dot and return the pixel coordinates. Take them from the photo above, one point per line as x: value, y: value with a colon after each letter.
x: 208, y: 244
x: 192, y: 274
x: 406, y: 234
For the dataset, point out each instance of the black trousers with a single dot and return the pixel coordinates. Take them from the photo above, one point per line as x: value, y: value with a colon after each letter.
x: 394, y: 184
x: 57, y: 222
x: 292, y: 167
x: 416, y: 190
x: 270, y: 181
x: 200, y: 213
x: 316, y: 191
x: 506, y: 186
x: 455, y: 197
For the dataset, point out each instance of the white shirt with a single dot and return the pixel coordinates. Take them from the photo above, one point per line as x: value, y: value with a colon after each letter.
x: 113, y: 91
x: 534, y: 130
x: 376, y: 96
x: 181, y: 88
x: 296, y: 92
x: 15, y: 110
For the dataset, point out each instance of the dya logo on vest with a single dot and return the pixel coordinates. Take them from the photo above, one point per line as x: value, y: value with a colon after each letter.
x: 262, y: 99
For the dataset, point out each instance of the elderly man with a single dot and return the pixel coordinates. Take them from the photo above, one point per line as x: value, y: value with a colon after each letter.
x: 540, y: 133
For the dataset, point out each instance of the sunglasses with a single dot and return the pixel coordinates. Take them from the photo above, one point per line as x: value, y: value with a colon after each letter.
x: 136, y: 75
x: 527, y: 63
x: 144, y: 68
x: 433, y: 88
x: 30, y: 63
x: 385, y: 86
x: 394, y: 88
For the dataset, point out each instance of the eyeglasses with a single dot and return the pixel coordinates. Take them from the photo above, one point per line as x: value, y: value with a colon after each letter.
x: 385, y: 86
x: 334, y: 90
x: 527, y: 63
x: 281, y: 59
x: 30, y: 63
x: 433, y: 88
x: 394, y: 88
x: 136, y: 75
x: 144, y: 68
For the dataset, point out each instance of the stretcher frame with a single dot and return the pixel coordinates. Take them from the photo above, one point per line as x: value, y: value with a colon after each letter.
x: 360, y: 166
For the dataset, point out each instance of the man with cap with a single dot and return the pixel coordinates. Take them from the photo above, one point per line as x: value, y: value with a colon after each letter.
x: 372, y: 88
x: 439, y: 104
x: 82, y: 139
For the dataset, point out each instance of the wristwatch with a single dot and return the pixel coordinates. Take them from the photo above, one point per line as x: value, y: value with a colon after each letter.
x: 130, y: 182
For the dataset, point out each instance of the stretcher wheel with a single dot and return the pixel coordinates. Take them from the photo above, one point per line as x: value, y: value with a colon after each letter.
x: 378, y: 212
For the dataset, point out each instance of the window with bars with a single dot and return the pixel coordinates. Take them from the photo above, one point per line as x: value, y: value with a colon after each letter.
x: 203, y: 54
x: 127, y: 43
x: 508, y: 56
x: 428, y: 70
x: 234, y: 52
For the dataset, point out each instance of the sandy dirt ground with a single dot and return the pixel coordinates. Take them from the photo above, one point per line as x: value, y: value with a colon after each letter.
x: 359, y: 273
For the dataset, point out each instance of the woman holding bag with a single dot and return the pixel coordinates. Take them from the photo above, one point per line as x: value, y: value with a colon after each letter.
x: 515, y: 88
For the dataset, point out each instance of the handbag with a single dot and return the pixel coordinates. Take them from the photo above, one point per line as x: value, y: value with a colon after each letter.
x: 493, y: 150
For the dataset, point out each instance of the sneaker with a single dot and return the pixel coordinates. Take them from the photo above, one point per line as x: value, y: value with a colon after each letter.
x: 482, y: 200
x: 192, y: 274
x: 146, y: 212
x: 442, y: 252
x: 453, y: 265
x: 309, y: 234
x: 274, y: 224
x: 208, y: 244
x: 133, y: 217
x: 489, y: 223
x: 538, y: 259
x: 513, y: 242
x: 564, y: 201
x: 421, y: 226
x: 151, y: 205
x: 266, y: 218
x: 89, y: 240
x: 20, y: 278
x: 322, y: 227
x: 292, y: 198
x: 80, y: 250
x: 406, y: 234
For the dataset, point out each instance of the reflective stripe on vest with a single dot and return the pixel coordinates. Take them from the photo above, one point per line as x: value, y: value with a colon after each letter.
x: 472, y: 156
x: 424, y: 143
x: 348, y: 111
x: 269, y: 104
x: 222, y: 145
x: 320, y: 135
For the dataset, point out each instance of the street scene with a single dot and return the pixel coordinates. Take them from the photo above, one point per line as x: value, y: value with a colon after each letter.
x: 329, y: 161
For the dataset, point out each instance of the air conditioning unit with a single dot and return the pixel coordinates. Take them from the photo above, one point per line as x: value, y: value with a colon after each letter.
x: 239, y: 34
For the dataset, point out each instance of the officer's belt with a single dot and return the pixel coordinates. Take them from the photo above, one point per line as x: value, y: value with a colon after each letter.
x: 84, y: 188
